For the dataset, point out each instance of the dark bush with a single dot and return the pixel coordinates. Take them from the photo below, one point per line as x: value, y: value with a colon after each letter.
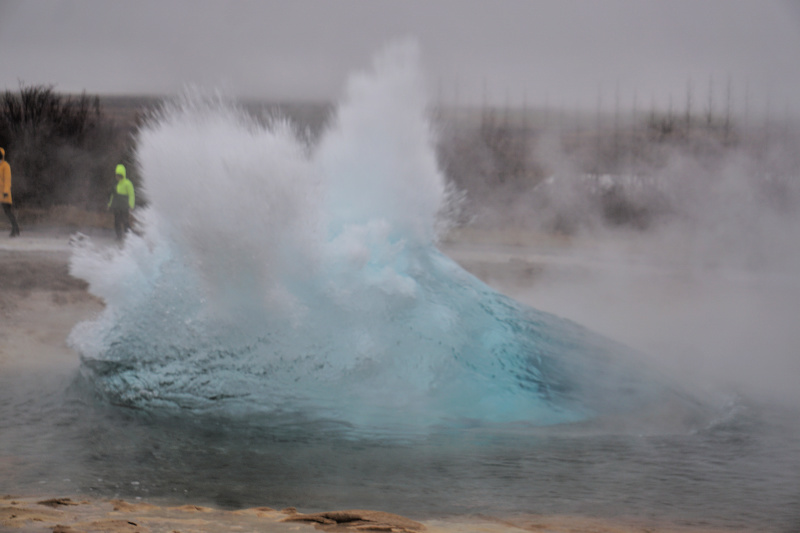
x: 61, y: 148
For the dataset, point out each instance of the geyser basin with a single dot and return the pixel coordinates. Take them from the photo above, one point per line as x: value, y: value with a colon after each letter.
x: 273, y: 277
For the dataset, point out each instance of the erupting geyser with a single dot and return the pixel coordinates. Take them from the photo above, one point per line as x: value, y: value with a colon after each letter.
x: 274, y: 277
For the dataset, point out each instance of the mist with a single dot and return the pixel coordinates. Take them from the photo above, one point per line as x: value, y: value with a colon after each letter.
x: 688, y: 253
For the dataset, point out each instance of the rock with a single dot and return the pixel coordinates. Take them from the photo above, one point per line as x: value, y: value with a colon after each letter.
x: 127, y: 507
x: 193, y: 509
x: 358, y: 520
x: 55, y: 502
x: 259, y: 512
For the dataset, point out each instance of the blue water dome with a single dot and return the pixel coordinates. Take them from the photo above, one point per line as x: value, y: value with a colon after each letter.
x: 274, y: 277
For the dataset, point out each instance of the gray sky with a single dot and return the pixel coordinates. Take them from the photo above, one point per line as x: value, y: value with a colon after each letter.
x: 560, y: 52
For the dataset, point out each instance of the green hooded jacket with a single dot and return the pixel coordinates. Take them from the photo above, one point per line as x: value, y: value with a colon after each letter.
x: 123, y: 191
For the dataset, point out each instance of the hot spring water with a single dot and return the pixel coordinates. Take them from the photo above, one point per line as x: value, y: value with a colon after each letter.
x: 285, y: 331
x: 277, y: 278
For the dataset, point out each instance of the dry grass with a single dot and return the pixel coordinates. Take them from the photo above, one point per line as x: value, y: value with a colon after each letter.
x: 68, y: 216
x: 64, y: 216
x: 506, y: 236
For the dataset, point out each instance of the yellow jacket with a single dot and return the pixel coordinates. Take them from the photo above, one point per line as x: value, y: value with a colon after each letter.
x: 123, y: 192
x: 5, y: 178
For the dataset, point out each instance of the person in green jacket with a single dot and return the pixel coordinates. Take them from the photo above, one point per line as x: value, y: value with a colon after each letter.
x: 5, y: 192
x: 122, y: 201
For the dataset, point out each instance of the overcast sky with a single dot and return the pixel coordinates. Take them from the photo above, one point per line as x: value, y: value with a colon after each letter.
x: 560, y: 52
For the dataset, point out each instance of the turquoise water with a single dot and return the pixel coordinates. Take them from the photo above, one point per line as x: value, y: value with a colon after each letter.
x: 285, y: 331
x: 739, y: 471
x: 274, y: 277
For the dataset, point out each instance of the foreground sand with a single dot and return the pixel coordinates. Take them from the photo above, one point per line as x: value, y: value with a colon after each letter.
x: 76, y: 515
x: 39, y: 305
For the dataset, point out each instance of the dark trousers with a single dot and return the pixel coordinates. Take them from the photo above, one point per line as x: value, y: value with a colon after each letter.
x: 122, y: 222
x: 11, y: 218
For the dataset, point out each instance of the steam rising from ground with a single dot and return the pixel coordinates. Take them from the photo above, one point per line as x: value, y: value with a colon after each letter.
x: 704, y: 273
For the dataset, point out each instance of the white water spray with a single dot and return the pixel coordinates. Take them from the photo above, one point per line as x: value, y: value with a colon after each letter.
x: 274, y: 277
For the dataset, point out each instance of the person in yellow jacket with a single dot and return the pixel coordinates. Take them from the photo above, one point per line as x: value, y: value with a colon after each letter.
x: 121, y: 202
x: 5, y: 187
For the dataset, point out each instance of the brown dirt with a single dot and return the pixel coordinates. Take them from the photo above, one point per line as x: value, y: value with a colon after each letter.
x: 65, y: 515
x: 23, y: 273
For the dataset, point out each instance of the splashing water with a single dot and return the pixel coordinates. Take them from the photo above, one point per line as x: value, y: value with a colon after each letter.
x: 273, y: 277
